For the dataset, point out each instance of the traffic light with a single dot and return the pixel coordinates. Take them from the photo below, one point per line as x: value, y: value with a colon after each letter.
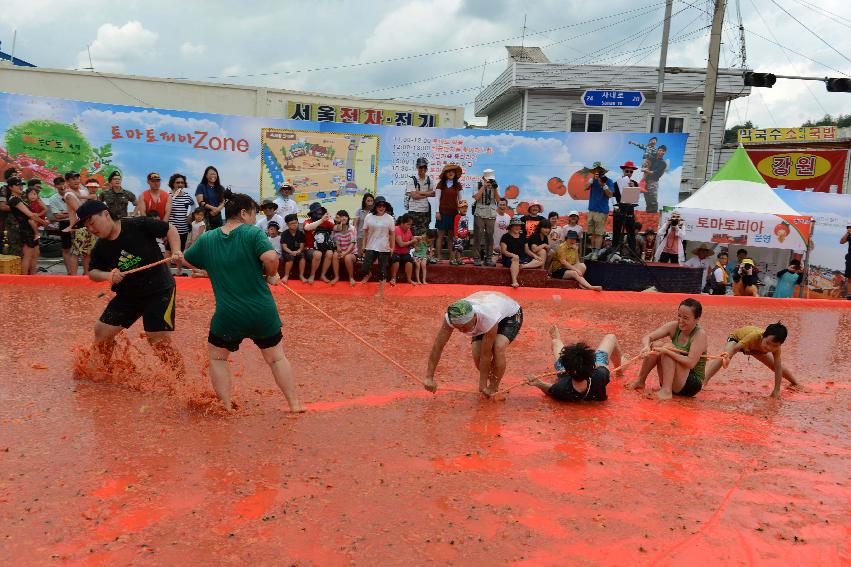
x: 838, y: 85
x: 766, y: 80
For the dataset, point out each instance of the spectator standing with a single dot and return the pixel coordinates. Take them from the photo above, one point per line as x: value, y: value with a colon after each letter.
x: 379, y: 231
x: 654, y: 170
x: 366, y: 204
x: 83, y: 241
x: 181, y: 205
x: 720, y: 276
x: 601, y: 190
x: 5, y: 210
x: 500, y: 225
x: 116, y: 198
x: 269, y: 208
x: 701, y: 260
x: 345, y: 243
x: 788, y: 278
x: 26, y: 243
x: 57, y: 212
x: 846, y: 239
x: 420, y: 255
x: 210, y: 195
x: 627, y: 194
x: 485, y: 204
x: 741, y: 254
x: 649, y: 244
x: 417, y: 193
x: 154, y: 199
x: 284, y: 200
x: 448, y: 192
x: 670, y: 246
x: 745, y: 279
x: 460, y: 234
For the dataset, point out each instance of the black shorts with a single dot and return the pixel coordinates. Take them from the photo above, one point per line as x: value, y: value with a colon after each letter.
x: 668, y: 258
x: 286, y: 257
x: 692, y: 386
x: 156, y: 310
x: 559, y: 274
x: 183, y: 238
x: 848, y: 266
x: 65, y: 236
x: 401, y: 259
x: 508, y: 327
x: 233, y: 345
x: 369, y: 258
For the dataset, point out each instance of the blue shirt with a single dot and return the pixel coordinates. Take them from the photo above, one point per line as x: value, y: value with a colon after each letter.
x: 597, y: 200
x: 209, y: 194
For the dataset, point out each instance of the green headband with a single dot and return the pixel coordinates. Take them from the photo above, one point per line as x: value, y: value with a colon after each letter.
x: 460, y: 312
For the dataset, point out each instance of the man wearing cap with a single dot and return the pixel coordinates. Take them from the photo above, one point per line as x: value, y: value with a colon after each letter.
x: 122, y: 245
x: 269, y: 208
x: 623, y: 217
x: 82, y: 240
x: 701, y: 260
x: 116, y: 197
x: 600, y: 190
x: 154, y: 199
x: 492, y: 320
x: 746, y: 279
x: 485, y: 202
x: 417, y: 193
x: 286, y: 204
x: 654, y: 170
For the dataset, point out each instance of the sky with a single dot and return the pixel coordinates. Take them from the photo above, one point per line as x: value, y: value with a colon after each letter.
x: 337, y: 47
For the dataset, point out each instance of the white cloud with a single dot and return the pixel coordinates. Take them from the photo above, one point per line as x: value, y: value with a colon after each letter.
x: 549, y: 150
x: 115, y: 47
x: 189, y: 49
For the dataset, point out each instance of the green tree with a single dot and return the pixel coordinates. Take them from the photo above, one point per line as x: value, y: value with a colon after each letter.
x: 841, y: 121
x: 60, y: 145
x: 731, y: 135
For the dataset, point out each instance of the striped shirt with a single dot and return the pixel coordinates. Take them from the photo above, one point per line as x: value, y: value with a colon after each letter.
x: 181, y: 204
x: 344, y: 237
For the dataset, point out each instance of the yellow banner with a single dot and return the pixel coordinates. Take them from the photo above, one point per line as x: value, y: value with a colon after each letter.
x: 316, y: 112
x: 805, y: 134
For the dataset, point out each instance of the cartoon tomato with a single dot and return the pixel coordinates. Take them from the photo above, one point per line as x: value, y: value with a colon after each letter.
x: 782, y: 231
x: 556, y: 186
x: 512, y: 192
x: 576, y: 185
x: 522, y: 208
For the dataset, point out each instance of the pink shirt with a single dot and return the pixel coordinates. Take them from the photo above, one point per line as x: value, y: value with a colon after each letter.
x: 405, y: 235
x: 344, y: 237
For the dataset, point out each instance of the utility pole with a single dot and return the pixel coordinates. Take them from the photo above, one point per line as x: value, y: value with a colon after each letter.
x: 663, y: 59
x: 699, y: 176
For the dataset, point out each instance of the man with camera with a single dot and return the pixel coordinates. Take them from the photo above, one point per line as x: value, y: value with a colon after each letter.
x: 669, y: 247
x: 846, y: 239
x: 601, y: 190
x: 485, y: 202
x: 746, y: 279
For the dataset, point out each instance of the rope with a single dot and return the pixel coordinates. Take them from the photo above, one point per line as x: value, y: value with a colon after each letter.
x: 365, y: 342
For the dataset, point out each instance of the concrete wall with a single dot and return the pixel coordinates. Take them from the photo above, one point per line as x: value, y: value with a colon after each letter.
x: 189, y: 95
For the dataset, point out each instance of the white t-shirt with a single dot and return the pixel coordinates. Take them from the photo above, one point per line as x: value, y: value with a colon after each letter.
x: 704, y: 264
x: 500, y: 227
x: 567, y: 228
x: 380, y: 227
x: 285, y: 207
x: 490, y: 307
x: 276, y: 243
x: 629, y: 194
x: 418, y: 205
x: 263, y: 223
x: 719, y: 274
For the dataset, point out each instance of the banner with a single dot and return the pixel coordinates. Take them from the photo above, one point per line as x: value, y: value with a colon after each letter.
x: 776, y: 135
x: 333, y: 163
x: 822, y: 171
x: 757, y: 230
x: 312, y: 111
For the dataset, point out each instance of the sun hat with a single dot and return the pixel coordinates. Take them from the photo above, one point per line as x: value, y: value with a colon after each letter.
x: 488, y: 174
x: 629, y: 165
x: 269, y: 203
x: 516, y: 221
x: 452, y: 166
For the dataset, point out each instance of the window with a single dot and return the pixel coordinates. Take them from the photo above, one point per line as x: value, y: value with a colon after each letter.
x: 586, y: 122
x: 670, y: 124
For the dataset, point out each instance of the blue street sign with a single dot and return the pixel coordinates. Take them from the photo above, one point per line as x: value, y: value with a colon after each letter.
x: 630, y: 99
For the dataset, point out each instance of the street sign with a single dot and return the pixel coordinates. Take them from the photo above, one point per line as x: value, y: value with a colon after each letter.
x: 627, y: 99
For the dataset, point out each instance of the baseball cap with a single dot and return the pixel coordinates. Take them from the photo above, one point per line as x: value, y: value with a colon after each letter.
x: 572, y: 234
x: 422, y: 162
x: 747, y: 262
x: 573, y: 214
x: 153, y: 176
x: 14, y: 181
x: 286, y: 187
x: 488, y: 174
x: 88, y: 209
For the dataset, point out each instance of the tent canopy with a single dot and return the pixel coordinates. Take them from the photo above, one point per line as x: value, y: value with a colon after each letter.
x: 739, y: 187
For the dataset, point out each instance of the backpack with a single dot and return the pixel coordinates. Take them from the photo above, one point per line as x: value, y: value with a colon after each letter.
x: 417, y: 187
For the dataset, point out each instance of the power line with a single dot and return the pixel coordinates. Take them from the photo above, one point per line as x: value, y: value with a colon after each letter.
x: 817, y: 36
x: 825, y: 10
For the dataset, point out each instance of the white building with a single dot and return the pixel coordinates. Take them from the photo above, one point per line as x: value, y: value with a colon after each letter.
x: 535, y: 94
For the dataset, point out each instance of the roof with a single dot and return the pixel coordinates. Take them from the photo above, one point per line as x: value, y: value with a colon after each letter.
x: 17, y: 61
x: 739, y: 187
x: 525, y: 54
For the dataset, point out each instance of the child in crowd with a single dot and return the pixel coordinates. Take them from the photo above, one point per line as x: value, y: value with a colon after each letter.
x: 196, y: 228
x: 460, y: 234
x: 422, y: 251
x: 759, y: 343
x: 556, y: 234
x: 515, y: 254
x: 273, y: 233
x: 366, y: 204
x: 345, y: 242
x: 582, y: 371
x: 33, y: 203
x: 292, y: 248
x: 566, y: 264
x: 404, y: 239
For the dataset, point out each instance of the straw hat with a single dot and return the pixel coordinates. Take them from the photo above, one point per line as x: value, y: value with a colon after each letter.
x: 704, y: 248
x: 452, y: 166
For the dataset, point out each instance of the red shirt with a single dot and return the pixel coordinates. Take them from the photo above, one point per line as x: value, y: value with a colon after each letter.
x: 308, y: 234
x: 158, y: 206
x: 405, y: 235
x: 449, y: 199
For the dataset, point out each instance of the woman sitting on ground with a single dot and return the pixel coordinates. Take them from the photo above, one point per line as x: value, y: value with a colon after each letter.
x: 566, y: 265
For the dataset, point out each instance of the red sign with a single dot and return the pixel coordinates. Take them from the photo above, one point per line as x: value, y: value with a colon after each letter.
x: 822, y: 171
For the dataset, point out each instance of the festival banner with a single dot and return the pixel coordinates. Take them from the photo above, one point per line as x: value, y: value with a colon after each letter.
x: 334, y: 163
x: 757, y: 230
x: 778, y: 135
x: 822, y: 171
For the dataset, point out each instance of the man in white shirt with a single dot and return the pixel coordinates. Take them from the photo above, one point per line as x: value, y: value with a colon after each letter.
x: 701, y: 260
x: 269, y: 208
x: 417, y: 193
x: 501, y: 224
x: 286, y: 204
x: 627, y: 194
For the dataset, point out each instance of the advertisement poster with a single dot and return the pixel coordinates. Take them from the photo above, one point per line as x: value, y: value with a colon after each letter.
x: 831, y: 216
x: 775, y: 135
x: 738, y: 229
x: 46, y: 137
x: 822, y: 171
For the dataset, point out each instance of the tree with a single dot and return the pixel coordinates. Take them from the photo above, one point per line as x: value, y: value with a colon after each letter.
x: 841, y: 121
x: 731, y: 135
x: 60, y: 145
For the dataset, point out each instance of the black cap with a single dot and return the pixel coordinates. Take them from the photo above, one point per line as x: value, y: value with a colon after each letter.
x: 422, y: 162
x: 88, y: 209
x: 14, y: 181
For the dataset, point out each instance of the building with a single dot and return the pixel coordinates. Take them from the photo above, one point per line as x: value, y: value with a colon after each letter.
x: 242, y: 100
x: 536, y: 94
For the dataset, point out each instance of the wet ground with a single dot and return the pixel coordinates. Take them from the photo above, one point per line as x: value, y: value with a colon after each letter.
x: 380, y: 472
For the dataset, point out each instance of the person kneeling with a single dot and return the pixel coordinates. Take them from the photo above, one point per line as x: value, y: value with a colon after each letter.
x: 583, y: 372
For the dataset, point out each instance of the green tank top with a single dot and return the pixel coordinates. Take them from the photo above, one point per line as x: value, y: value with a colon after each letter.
x: 699, y: 368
